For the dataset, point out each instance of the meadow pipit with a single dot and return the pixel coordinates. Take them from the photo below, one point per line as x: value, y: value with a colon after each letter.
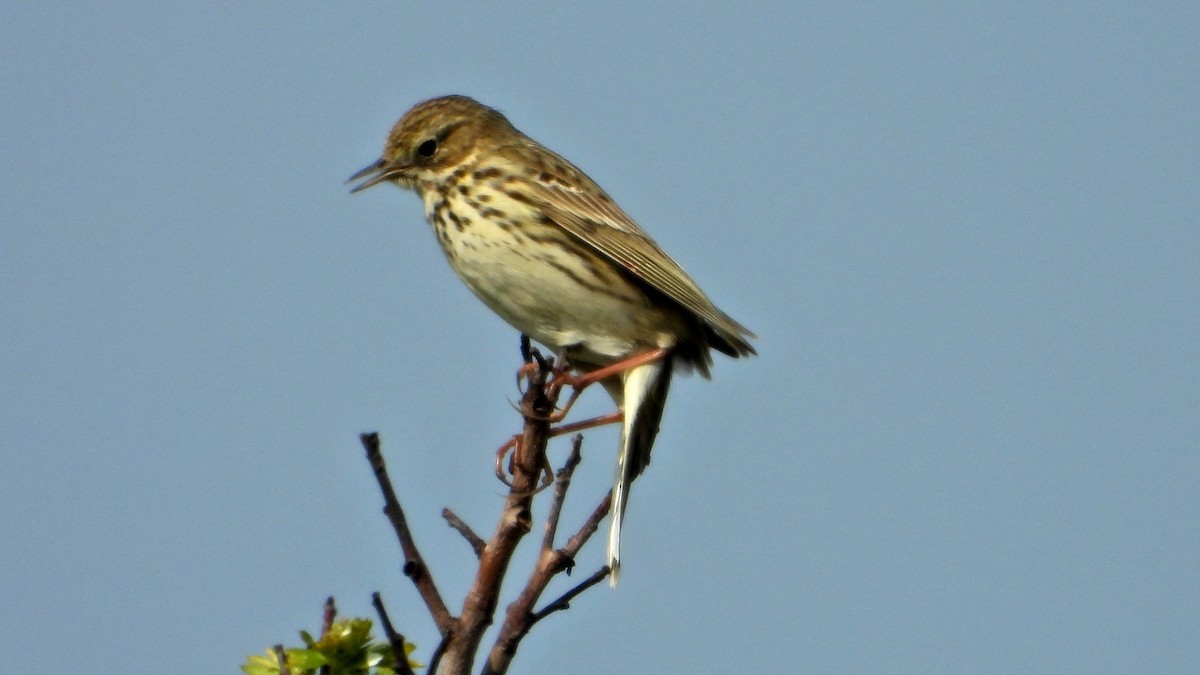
x: 550, y: 252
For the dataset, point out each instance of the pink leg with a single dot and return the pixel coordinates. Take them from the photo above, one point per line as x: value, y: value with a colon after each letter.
x: 577, y: 383
x: 580, y: 382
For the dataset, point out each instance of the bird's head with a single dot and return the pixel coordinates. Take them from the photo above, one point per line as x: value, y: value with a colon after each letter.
x: 433, y: 139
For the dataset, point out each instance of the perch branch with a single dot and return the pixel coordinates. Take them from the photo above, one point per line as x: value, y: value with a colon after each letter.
x: 461, y: 636
x: 528, y: 460
x: 520, y: 617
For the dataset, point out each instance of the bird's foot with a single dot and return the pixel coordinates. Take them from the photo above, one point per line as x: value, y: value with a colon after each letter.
x: 511, y: 447
x: 562, y: 377
x: 583, y: 380
x: 580, y: 381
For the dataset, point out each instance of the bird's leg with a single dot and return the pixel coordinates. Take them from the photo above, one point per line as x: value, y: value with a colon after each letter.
x: 562, y: 377
x: 583, y: 380
x: 611, y: 418
x: 511, y: 445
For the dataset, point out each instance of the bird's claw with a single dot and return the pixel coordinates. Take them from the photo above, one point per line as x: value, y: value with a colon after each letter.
x: 511, y: 446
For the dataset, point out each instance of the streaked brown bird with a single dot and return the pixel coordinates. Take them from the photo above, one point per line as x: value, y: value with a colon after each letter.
x: 550, y: 252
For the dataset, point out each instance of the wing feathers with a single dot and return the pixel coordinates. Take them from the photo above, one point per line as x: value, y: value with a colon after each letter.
x: 595, y: 218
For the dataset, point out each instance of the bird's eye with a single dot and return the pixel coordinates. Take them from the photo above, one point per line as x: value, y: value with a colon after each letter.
x: 427, y: 148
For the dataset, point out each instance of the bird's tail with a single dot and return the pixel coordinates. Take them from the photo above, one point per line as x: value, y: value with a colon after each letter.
x: 644, y: 393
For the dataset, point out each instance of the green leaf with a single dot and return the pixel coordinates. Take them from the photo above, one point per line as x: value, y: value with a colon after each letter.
x: 262, y: 665
x: 346, y: 648
x: 308, y: 638
x: 306, y: 659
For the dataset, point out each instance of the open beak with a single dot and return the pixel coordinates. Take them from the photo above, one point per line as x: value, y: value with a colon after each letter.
x: 375, y: 174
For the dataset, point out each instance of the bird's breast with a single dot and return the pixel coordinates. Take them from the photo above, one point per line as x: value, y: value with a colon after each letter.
x: 542, y: 280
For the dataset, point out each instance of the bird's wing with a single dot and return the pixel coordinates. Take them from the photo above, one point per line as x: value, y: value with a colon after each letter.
x: 568, y: 197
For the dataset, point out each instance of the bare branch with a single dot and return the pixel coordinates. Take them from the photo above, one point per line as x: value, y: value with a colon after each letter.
x: 438, y: 652
x: 516, y: 520
x: 395, y: 639
x: 477, y: 543
x: 520, y: 617
x: 589, y: 527
x: 527, y: 349
x: 461, y: 636
x: 414, y: 564
x: 564, y: 601
x: 328, y: 614
x: 562, y: 484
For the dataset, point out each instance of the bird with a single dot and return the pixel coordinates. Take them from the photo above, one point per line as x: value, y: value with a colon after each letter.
x: 550, y: 252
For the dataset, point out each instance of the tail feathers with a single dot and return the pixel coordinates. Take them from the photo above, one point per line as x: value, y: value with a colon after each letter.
x: 644, y: 394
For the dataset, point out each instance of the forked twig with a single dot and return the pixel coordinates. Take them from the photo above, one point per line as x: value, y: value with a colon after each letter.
x: 462, y: 635
x: 564, y: 600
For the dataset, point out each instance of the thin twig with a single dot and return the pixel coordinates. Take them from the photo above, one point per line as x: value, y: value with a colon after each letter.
x: 526, y: 349
x: 564, y: 601
x: 589, y: 527
x: 414, y: 564
x: 395, y: 639
x: 461, y: 636
x: 281, y: 657
x: 477, y: 543
x: 328, y: 614
x: 562, y: 483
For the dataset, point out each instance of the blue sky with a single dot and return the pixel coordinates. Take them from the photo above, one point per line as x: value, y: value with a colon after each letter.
x: 968, y: 236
